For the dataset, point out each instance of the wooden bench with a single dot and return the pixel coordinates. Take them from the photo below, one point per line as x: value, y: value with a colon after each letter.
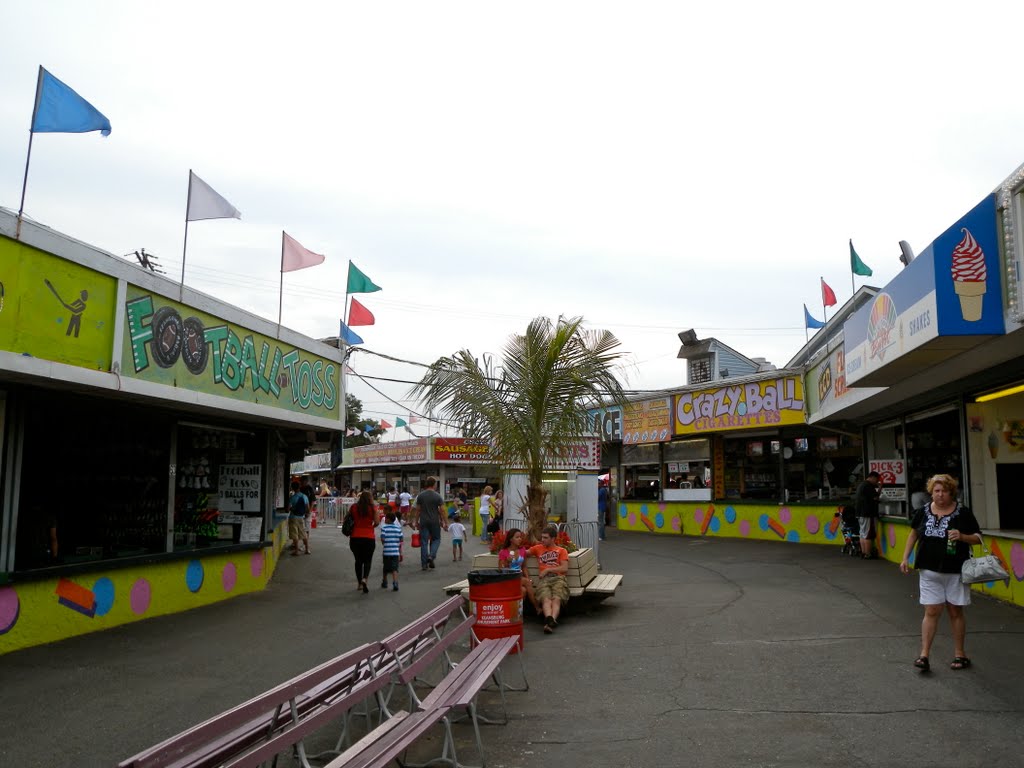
x: 282, y: 718
x: 458, y: 690
x: 277, y: 720
x: 583, y: 578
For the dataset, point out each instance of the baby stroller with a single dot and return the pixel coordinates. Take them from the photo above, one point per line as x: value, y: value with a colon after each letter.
x: 850, y: 527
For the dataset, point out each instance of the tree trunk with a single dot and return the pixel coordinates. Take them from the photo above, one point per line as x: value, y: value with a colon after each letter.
x: 536, y: 496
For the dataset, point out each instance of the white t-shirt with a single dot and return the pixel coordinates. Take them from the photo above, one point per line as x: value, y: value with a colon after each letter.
x: 457, y: 530
x: 404, y: 498
x: 392, y: 497
x: 485, y: 505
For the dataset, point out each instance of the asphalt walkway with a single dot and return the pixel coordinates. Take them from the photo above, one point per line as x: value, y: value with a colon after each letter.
x: 713, y: 653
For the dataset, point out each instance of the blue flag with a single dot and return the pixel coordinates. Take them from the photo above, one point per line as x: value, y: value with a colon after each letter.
x: 810, y: 322
x: 60, y: 110
x: 349, y: 336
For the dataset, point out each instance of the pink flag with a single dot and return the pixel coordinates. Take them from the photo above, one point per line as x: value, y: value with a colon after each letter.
x: 385, y: 425
x: 294, y: 256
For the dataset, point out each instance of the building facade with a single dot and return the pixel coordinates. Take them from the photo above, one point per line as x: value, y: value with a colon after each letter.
x: 145, y: 436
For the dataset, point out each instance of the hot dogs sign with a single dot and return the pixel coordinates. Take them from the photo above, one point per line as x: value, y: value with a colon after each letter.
x: 202, y: 353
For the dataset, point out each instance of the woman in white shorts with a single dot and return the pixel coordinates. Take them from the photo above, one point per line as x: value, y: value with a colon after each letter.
x: 943, y: 531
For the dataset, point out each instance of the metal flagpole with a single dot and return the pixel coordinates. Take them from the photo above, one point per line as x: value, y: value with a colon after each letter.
x: 280, y: 290
x: 28, y: 157
x: 184, y: 245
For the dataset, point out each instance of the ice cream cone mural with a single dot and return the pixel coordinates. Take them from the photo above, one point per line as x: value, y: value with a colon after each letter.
x: 970, y: 277
x: 993, y: 444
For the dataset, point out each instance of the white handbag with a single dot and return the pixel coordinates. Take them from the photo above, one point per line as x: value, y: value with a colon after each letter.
x: 976, y: 570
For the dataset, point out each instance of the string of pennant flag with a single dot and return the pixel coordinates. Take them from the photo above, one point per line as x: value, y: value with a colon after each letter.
x: 60, y: 109
x: 828, y: 296
x: 367, y: 429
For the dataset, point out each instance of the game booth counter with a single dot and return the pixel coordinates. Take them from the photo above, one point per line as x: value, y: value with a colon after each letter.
x: 924, y: 377
x: 168, y: 417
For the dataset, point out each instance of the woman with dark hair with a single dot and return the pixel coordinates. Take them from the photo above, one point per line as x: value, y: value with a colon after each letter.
x: 363, y: 542
x: 513, y: 556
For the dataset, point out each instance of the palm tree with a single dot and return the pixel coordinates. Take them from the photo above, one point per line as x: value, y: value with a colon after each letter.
x: 534, y: 404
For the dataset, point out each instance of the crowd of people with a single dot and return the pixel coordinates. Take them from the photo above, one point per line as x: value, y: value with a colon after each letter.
x: 427, y: 515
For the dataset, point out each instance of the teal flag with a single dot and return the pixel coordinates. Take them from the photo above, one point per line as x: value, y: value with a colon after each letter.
x: 857, y: 266
x: 358, y: 282
x: 401, y: 422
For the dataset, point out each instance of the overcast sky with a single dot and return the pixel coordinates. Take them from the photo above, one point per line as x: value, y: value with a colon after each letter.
x: 652, y: 167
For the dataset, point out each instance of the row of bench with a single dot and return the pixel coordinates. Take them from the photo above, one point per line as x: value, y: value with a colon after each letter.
x: 584, y: 579
x: 367, y: 678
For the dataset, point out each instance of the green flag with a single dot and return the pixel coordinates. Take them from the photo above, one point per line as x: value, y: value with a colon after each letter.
x: 857, y: 266
x: 360, y: 283
x: 401, y: 422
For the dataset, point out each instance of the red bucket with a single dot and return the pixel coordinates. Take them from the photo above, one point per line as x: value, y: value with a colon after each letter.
x: 496, y: 597
x: 416, y: 539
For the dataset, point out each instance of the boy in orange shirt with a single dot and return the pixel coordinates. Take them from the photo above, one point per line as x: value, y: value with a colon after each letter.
x: 552, y: 589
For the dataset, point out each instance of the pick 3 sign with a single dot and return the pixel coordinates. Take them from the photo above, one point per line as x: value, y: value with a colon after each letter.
x: 891, y: 472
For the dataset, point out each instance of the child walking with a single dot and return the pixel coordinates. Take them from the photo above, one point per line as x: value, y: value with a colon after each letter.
x: 458, y: 531
x: 391, y: 537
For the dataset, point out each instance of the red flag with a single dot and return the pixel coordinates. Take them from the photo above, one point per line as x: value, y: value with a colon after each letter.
x: 359, y: 315
x: 828, y: 296
x: 385, y: 425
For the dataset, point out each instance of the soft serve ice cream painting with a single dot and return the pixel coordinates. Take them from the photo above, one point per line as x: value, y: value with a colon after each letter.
x: 970, y: 277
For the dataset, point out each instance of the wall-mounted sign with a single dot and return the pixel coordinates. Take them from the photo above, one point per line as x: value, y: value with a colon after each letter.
x: 401, y: 452
x: 649, y: 421
x: 891, y: 471
x: 770, y: 402
x: 607, y: 423
x: 176, y: 345
x: 461, y: 449
x: 952, y: 288
x: 239, y: 487
x: 54, y: 309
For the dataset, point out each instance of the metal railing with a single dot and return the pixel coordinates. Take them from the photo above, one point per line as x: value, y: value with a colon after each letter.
x: 328, y: 508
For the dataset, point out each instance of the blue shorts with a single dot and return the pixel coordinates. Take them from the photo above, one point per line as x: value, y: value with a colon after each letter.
x: 390, y: 563
x: 456, y: 542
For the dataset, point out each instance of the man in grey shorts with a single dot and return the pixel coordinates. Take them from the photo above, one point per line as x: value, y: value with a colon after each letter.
x: 866, y: 504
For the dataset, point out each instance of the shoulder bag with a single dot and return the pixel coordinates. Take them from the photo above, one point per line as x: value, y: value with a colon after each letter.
x: 348, y: 524
x: 976, y: 570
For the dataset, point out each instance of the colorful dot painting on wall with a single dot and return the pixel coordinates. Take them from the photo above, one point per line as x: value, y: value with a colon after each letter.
x: 38, y: 612
x: 799, y: 525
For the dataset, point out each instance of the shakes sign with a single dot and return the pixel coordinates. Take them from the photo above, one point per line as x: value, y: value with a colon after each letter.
x: 756, y: 404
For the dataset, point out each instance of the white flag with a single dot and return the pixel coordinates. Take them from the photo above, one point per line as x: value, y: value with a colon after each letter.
x: 204, y: 203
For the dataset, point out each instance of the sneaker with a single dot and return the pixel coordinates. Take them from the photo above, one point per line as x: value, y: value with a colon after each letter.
x: 384, y: 585
x: 394, y: 587
x: 430, y: 563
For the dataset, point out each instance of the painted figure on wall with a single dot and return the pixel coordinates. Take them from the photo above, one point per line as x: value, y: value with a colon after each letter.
x: 76, y: 308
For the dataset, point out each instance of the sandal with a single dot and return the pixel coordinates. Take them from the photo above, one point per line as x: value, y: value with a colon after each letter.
x: 921, y: 662
x: 960, y: 662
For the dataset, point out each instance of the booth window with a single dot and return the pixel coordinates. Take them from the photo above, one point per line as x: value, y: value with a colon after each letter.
x: 219, y: 483
x: 93, y: 481
x: 688, y: 464
x: 641, y: 468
